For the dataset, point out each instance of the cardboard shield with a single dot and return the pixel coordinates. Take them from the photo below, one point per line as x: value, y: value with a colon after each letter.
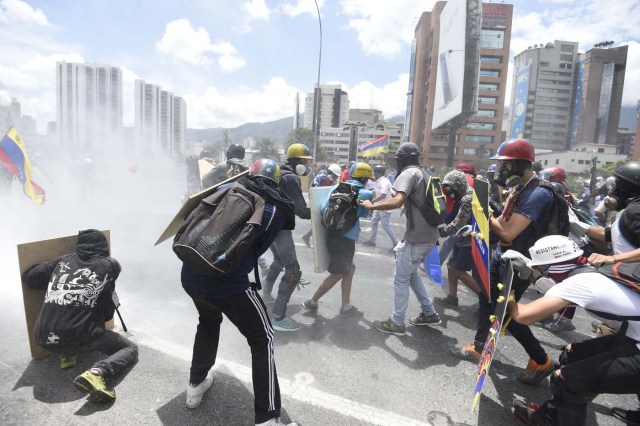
x: 30, y: 254
x: 480, y: 249
x: 204, y: 167
x: 188, y: 206
x: 317, y: 195
x: 497, y: 328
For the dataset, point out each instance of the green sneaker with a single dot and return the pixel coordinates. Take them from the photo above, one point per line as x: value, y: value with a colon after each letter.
x: 67, y: 361
x: 390, y: 327
x: 94, y: 385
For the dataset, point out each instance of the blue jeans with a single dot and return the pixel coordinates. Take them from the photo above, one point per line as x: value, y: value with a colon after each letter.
x: 408, y: 257
x: 382, y: 216
x: 284, y: 256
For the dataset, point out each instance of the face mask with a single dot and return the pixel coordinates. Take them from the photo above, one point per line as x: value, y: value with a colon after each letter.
x: 302, y: 169
x: 544, y: 284
x: 505, y: 177
x: 624, y: 192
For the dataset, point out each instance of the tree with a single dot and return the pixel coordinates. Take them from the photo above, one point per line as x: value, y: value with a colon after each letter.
x: 305, y: 136
x: 267, y: 148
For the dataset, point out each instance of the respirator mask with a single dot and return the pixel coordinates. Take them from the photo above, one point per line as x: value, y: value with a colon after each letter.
x: 543, y: 284
x: 509, y: 178
x: 302, y: 169
x: 624, y: 192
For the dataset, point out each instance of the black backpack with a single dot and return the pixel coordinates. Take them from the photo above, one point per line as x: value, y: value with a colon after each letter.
x: 341, y: 213
x: 435, y: 212
x: 558, y: 220
x: 220, y: 230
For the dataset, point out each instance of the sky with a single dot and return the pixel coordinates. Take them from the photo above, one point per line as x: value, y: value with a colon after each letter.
x: 238, y: 61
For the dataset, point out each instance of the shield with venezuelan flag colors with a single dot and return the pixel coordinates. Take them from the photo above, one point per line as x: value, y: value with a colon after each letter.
x: 13, y: 156
x: 480, y: 249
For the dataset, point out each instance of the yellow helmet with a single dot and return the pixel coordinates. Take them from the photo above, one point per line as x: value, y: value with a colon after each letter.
x: 299, y: 150
x: 361, y: 170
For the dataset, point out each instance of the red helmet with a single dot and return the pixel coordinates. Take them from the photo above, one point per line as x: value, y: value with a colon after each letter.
x: 466, y: 168
x: 554, y: 174
x: 515, y: 149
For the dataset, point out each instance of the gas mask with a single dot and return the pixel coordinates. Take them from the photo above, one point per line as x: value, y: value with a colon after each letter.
x: 624, y: 192
x: 543, y: 284
x: 509, y: 178
x: 302, y: 169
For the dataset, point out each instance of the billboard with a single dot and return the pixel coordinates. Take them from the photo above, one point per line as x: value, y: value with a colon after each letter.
x: 519, y: 109
x: 458, y: 61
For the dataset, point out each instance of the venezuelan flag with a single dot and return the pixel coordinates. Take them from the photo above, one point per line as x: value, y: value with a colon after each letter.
x: 375, y: 147
x: 13, y: 156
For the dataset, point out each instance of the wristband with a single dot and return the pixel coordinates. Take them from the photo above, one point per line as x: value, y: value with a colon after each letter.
x: 607, y: 234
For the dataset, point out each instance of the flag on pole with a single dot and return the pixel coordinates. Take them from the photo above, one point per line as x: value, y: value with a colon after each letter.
x: 13, y: 156
x: 375, y: 147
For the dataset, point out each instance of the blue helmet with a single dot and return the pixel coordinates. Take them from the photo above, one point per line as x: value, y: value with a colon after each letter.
x: 492, y: 168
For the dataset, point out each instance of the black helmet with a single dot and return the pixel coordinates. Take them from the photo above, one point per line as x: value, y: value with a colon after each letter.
x: 379, y: 170
x: 204, y: 154
x: 629, y: 172
x: 235, y: 151
x: 408, y: 150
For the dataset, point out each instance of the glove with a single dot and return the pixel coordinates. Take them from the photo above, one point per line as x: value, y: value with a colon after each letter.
x: 442, y: 231
x: 519, y: 263
x: 578, y: 228
x: 496, y: 209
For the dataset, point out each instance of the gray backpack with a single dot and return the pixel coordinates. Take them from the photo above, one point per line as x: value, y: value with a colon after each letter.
x: 220, y: 230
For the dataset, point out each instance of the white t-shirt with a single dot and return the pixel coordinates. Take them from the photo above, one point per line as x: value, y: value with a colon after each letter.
x: 595, y: 291
x: 383, y: 186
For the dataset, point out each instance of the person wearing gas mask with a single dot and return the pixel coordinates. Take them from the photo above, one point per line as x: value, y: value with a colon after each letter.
x: 455, y: 187
x: 522, y: 222
x: 607, y: 210
x: 495, y: 190
x: 607, y: 364
x: 283, y: 248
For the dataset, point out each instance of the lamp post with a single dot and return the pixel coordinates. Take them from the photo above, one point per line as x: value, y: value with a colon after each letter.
x: 317, y: 92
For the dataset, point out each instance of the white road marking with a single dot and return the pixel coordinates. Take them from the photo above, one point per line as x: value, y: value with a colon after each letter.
x: 297, y: 389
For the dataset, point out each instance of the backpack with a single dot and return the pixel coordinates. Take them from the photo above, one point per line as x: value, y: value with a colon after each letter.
x: 220, y: 230
x: 558, y: 221
x: 435, y: 212
x: 341, y: 213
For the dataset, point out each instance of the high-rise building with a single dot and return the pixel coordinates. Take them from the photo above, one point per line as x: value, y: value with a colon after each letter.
x: 542, y: 94
x: 480, y: 135
x: 598, y: 96
x: 89, y: 105
x: 160, y: 120
x: 334, y: 107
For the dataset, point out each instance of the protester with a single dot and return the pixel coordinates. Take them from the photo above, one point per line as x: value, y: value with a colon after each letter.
x: 609, y: 364
x: 342, y: 247
x: 79, y: 300
x: 522, y: 222
x: 419, y: 239
x: 239, y: 301
x: 234, y: 165
x: 383, y: 191
x: 283, y: 248
x: 455, y: 187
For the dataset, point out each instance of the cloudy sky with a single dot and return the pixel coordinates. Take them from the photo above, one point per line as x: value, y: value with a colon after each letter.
x: 238, y: 61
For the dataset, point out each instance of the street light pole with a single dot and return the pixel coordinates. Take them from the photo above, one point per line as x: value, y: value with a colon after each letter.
x: 317, y: 93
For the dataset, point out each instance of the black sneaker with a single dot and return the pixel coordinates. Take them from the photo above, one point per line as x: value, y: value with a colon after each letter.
x: 630, y: 417
x: 352, y: 311
x: 449, y: 301
x: 390, y: 327
x: 423, y: 319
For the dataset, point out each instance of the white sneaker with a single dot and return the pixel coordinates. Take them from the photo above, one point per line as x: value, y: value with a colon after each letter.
x: 194, y: 395
x: 275, y: 422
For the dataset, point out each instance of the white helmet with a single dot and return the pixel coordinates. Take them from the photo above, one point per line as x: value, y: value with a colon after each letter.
x: 335, y: 169
x: 553, y: 249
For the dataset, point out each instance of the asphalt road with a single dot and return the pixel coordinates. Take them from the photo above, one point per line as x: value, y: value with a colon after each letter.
x: 334, y: 371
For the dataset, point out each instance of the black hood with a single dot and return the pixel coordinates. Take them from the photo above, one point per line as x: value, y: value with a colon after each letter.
x: 91, y: 243
x: 272, y: 192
